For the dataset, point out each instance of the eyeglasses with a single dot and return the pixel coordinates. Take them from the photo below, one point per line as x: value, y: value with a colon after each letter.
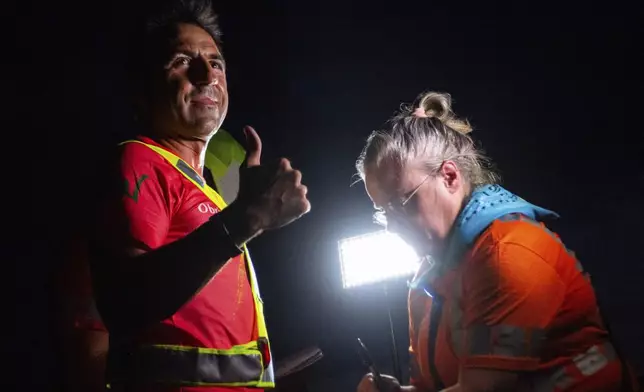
x: 397, y: 209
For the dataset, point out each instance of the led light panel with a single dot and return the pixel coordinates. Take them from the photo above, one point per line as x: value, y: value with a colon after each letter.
x: 375, y: 257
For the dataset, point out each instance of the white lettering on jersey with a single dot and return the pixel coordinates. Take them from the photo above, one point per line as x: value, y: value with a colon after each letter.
x: 205, y: 208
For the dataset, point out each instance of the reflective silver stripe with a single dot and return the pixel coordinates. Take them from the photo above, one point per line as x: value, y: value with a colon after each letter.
x: 269, y: 373
x: 594, y: 359
x: 190, y: 172
x: 504, y: 340
x: 562, y: 380
x: 588, y: 363
x: 187, y: 366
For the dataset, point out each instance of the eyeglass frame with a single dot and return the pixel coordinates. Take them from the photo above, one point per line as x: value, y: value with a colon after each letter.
x: 380, y: 216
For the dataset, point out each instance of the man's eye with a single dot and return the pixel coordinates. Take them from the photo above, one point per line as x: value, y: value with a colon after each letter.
x: 216, y: 65
x: 181, y: 61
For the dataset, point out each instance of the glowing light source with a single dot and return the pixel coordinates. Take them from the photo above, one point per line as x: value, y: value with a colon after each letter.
x: 375, y: 257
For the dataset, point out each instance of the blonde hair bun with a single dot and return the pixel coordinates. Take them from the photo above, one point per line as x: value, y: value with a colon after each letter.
x: 439, y: 106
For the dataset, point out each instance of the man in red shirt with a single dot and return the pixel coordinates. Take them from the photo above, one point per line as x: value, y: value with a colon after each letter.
x: 171, y: 277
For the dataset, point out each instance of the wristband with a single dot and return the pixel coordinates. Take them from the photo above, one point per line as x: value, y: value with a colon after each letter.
x: 221, y: 226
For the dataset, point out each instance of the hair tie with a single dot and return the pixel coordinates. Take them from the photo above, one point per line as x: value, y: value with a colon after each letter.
x: 420, y: 112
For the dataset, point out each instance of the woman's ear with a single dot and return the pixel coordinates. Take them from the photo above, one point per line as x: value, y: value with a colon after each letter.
x: 451, y: 176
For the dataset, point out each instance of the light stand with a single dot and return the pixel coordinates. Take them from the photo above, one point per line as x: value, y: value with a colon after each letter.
x: 376, y: 258
x: 392, y: 332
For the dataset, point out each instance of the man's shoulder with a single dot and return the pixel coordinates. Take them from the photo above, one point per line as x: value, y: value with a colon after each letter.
x: 135, y: 153
x: 135, y: 162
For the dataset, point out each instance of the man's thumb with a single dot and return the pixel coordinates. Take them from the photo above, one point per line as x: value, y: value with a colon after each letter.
x: 253, y: 147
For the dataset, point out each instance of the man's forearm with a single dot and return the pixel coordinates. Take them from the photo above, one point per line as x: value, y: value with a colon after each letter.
x: 239, y: 223
x: 154, y: 285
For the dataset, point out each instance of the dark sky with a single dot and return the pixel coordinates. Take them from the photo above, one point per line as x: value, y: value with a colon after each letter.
x: 551, y: 89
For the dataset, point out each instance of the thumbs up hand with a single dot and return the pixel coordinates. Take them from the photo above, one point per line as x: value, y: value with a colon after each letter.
x: 272, y: 194
x: 253, y: 147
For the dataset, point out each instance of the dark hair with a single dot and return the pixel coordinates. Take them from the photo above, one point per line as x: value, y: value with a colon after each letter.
x: 158, y: 23
x: 198, y: 12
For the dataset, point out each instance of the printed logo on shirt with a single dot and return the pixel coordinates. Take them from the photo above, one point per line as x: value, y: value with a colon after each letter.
x: 134, y: 195
x: 205, y: 208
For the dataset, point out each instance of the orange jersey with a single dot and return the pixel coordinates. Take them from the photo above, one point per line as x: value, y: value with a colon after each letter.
x: 517, y: 300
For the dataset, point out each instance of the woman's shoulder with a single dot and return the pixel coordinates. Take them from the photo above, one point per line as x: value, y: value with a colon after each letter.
x: 519, y: 230
x: 514, y: 241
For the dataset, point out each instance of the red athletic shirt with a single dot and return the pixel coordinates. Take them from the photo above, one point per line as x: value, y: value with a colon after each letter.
x: 162, y: 206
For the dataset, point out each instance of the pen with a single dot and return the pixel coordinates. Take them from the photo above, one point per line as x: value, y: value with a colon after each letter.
x: 368, y: 361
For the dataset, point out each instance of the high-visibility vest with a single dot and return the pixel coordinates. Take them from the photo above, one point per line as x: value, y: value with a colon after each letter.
x: 224, y: 156
x: 489, y: 338
x: 245, y: 365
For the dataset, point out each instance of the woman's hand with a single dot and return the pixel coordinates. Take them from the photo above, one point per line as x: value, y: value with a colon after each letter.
x: 389, y: 384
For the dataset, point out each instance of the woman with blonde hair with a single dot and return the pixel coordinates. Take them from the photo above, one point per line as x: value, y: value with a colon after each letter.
x: 499, y: 303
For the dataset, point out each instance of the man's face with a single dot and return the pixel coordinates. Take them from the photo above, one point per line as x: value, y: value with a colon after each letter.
x: 188, y: 96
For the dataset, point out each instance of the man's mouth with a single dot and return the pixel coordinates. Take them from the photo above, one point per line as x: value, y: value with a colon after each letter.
x: 204, y: 100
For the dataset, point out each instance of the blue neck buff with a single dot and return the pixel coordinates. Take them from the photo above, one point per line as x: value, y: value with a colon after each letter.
x: 486, y: 204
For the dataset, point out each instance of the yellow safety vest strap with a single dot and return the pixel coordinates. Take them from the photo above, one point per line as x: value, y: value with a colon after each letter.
x: 187, y: 171
x: 239, y: 366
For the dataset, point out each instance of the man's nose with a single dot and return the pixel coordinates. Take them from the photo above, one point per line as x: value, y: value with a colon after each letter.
x: 201, y: 72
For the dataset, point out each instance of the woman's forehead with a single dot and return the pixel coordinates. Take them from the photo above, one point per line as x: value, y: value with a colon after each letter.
x: 386, y: 182
x: 385, y: 176
x: 378, y: 184
x: 393, y: 177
